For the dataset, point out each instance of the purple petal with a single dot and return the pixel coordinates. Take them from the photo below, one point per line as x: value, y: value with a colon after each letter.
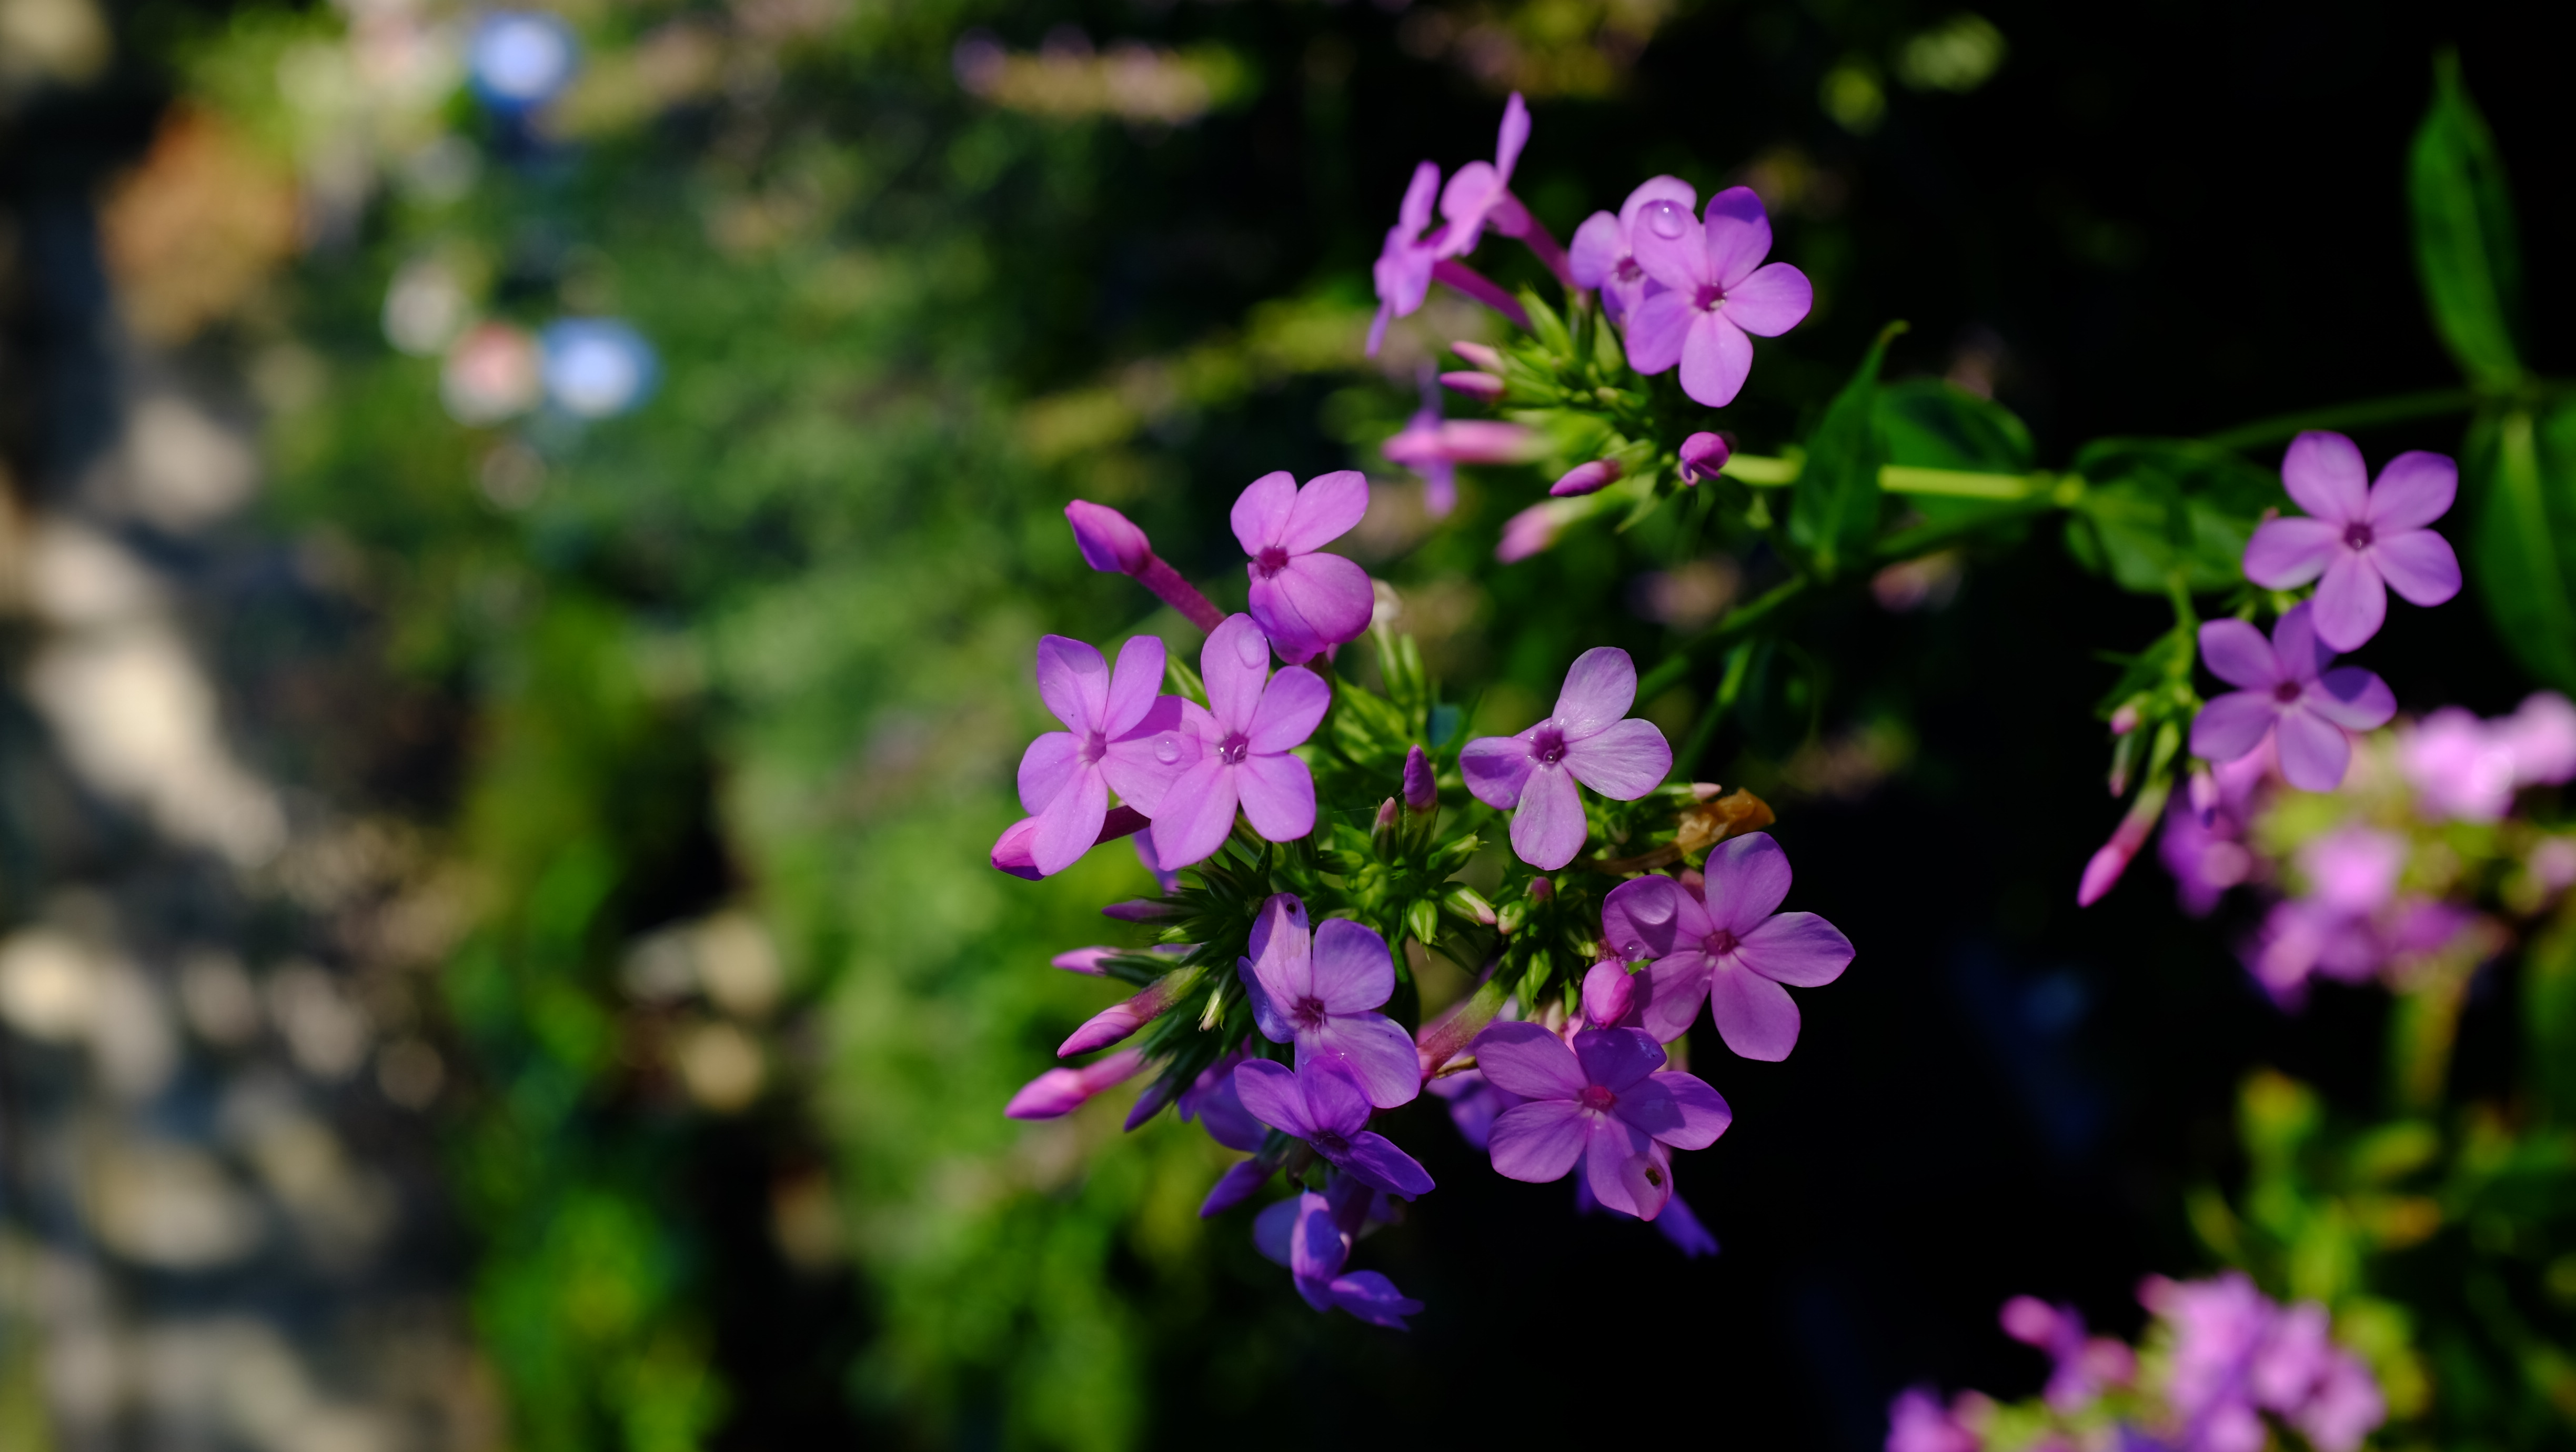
x: 1617, y: 1059
x: 1375, y: 1160
x: 1527, y: 1060
x: 1658, y: 330
x: 2351, y: 697
x: 1747, y: 879
x: 1419, y: 194
x: 1317, y: 1248
x: 1464, y: 201
x: 1274, y: 1228
x: 1548, y: 829
x: 1538, y: 1141
x: 1615, y: 1161
x: 1156, y: 752
x: 1373, y: 1298
x: 2233, y: 725
x: 2287, y: 553
x: 1679, y: 262
x: 1316, y: 601
x: 1288, y: 713
x: 1716, y: 356
x: 2351, y: 602
x: 1328, y: 507
x: 2237, y: 653
x: 1278, y: 794
x: 2419, y: 565
x: 1046, y: 767
x: 1702, y: 1113
x: 1623, y: 762
x: 1754, y: 1015
x: 1599, y: 688
x: 1265, y: 1010
x: 1513, y: 136
x: 1222, y: 1114
x: 1133, y: 686
x: 1261, y: 510
x: 2314, y: 751
x: 1111, y: 1024
x: 1197, y: 813
x: 1496, y: 769
x: 2414, y: 490
x: 1657, y: 189
x: 1372, y: 1050
x: 1235, y: 663
x: 1773, y: 300
x: 2325, y: 474
x: 2297, y: 653
x: 1739, y: 236
x: 1609, y: 992
x: 1239, y: 1184
x: 1799, y: 949
x: 1684, y: 1230
x: 1336, y: 1103
x: 1644, y: 917
x: 1598, y: 245
x: 1070, y: 825
x: 1354, y: 972
x: 1271, y: 1092
x: 1669, y: 993
x: 1073, y: 681
x: 1282, y: 948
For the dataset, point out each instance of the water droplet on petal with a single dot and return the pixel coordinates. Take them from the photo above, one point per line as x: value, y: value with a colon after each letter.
x: 1667, y: 219
x: 1167, y: 750
x: 1252, y: 649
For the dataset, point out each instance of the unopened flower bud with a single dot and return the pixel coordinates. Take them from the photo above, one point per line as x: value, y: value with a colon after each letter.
x: 1110, y: 542
x: 1542, y: 888
x: 1528, y: 533
x: 1384, y: 826
x: 1512, y: 915
x: 1483, y: 387
x: 2125, y: 719
x: 1422, y: 921
x: 1589, y: 478
x: 1702, y: 456
x: 1059, y: 1092
x: 1706, y: 791
x: 1487, y: 358
x: 1608, y: 993
x: 1139, y: 910
x: 1420, y: 793
x: 2202, y: 793
x: 1468, y: 903
x: 1083, y: 960
x: 1120, y: 1020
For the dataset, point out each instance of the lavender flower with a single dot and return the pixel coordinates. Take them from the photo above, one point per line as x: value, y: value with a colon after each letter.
x: 2364, y: 539
x: 1730, y: 943
x: 1719, y: 291
x: 1421, y: 793
x: 1703, y: 457
x: 2289, y: 694
x: 1120, y: 736
x: 1585, y: 739
x: 1308, y: 1236
x: 1251, y: 722
x: 2084, y: 1365
x: 1589, y: 478
x: 2467, y: 769
x: 1600, y: 1101
x: 2236, y: 1355
x: 1604, y: 256
x: 1059, y: 1092
x: 1404, y: 264
x: 1917, y: 1422
x: 1303, y: 599
x: 2205, y: 861
x: 1322, y: 990
x: 1322, y: 1104
x: 1481, y: 191
x: 1461, y: 441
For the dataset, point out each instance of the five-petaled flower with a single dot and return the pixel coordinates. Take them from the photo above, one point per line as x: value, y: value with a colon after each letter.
x: 1311, y: 1235
x: 1322, y: 989
x: 1729, y: 943
x: 1323, y: 1105
x: 2289, y: 692
x: 1600, y: 1100
x: 1251, y: 720
x: 1604, y: 254
x: 2364, y: 539
x: 1304, y: 600
x: 1586, y: 739
x: 1718, y: 290
x: 1119, y: 736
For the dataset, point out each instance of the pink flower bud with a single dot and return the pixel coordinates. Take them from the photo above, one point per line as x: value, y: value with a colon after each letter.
x: 1110, y: 542
x: 1702, y: 456
x: 1462, y: 441
x: 1608, y: 993
x: 1589, y: 478
x: 2124, y: 720
x: 1420, y: 794
x: 1483, y: 387
x: 1059, y: 1092
x: 1082, y: 960
x: 1385, y: 822
x: 2029, y: 1320
x: 1489, y: 359
x: 1103, y: 1029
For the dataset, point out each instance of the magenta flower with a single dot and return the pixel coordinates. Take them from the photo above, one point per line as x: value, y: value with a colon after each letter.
x: 1604, y: 256
x: 1480, y: 190
x: 1586, y: 739
x: 1421, y: 792
x: 1323, y: 1105
x: 1600, y: 1101
x: 1589, y: 478
x: 2290, y: 694
x: 2204, y: 856
x: 1730, y: 942
x: 1119, y: 736
x: 1719, y: 290
x: 1703, y: 457
x: 1303, y: 599
x: 1059, y: 1092
x: 1322, y: 990
x: 1112, y: 544
x: 1404, y: 264
x: 1120, y: 1020
x: 1308, y: 1235
x: 1251, y: 721
x: 2365, y: 539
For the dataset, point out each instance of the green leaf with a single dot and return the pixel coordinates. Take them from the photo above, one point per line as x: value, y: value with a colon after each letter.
x: 2164, y: 511
x: 1930, y: 423
x: 1833, y: 508
x: 1547, y: 327
x: 2549, y: 1014
x: 2465, y: 245
x: 2522, y: 477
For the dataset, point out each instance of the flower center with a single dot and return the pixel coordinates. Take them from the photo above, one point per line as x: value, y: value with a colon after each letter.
x: 1548, y: 747
x: 1330, y: 1142
x: 1308, y: 1012
x: 1719, y: 943
x: 1094, y: 747
x: 1596, y: 1098
x: 1628, y: 270
x: 1270, y: 561
x: 1707, y: 297
x: 2356, y: 535
x: 1233, y: 749
x: 2286, y: 692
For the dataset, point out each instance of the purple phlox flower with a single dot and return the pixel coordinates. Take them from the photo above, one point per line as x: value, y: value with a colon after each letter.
x: 1321, y: 990
x: 1462, y: 441
x: 1250, y: 723
x: 2235, y: 1352
x: 1677, y: 1224
x: 2352, y: 870
x: 1703, y: 457
x: 1718, y: 290
x: 1589, y: 478
x: 1586, y: 739
x: 1322, y: 1104
x: 1421, y: 792
x: 2365, y: 539
x: 1119, y: 736
x: 1474, y: 1103
x: 1059, y: 1092
x: 1609, y: 994
x: 2468, y: 769
x: 2084, y: 1365
x: 1211, y: 1100
x: 1304, y: 600
x: 1119, y: 1020
x: 1601, y: 1101
x: 2301, y: 937
x: 2290, y: 695
x: 2204, y: 859
x: 1307, y: 1236
x: 1014, y: 851
x: 1604, y: 257
x: 1729, y: 944
x: 1917, y: 1422
x: 1482, y: 191
x: 1403, y: 271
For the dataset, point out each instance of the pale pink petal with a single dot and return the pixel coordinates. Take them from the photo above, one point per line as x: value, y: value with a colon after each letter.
x: 1776, y: 298
x: 1283, y: 949
x: 2351, y: 602
x: 1658, y: 330
x: 2419, y: 565
x: 1375, y: 1160
x: 2289, y: 552
x: 1747, y: 879
x: 1754, y: 1015
x: 2415, y: 489
x: 1142, y: 765
x: 2238, y: 654
x: 1799, y: 949
x: 1074, y: 682
x: 1235, y: 663
x: 1045, y: 768
x: 1328, y: 507
x: 1197, y: 814
x: 1317, y: 601
x: 1353, y: 969
x: 2314, y: 751
x: 2297, y: 652
x: 1271, y: 1093
x: 1598, y: 246
x: 1525, y: 1059
x: 2233, y: 725
x: 1278, y: 794
x: 1716, y: 356
x: 1619, y: 1165
x: 1289, y: 711
x: 1496, y: 769
x: 1617, y: 1058
x: 1599, y: 688
x: 1739, y: 236
x: 2325, y: 475
x: 1373, y: 1050
x: 1650, y: 917
x: 1070, y: 825
x: 1669, y: 993
x: 1703, y: 1113
x: 1261, y: 510
x: 2353, y: 698
x: 1548, y: 828
x: 1622, y: 762
x: 1539, y: 1141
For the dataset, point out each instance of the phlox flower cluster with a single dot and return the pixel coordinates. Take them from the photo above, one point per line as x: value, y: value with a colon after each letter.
x: 2221, y: 1366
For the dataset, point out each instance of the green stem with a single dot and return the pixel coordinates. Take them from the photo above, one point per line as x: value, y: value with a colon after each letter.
x: 1744, y: 617
x: 1905, y: 544
x: 2432, y: 403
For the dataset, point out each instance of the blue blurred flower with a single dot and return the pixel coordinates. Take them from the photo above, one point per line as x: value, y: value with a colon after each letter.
x: 520, y: 59
x: 597, y: 367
